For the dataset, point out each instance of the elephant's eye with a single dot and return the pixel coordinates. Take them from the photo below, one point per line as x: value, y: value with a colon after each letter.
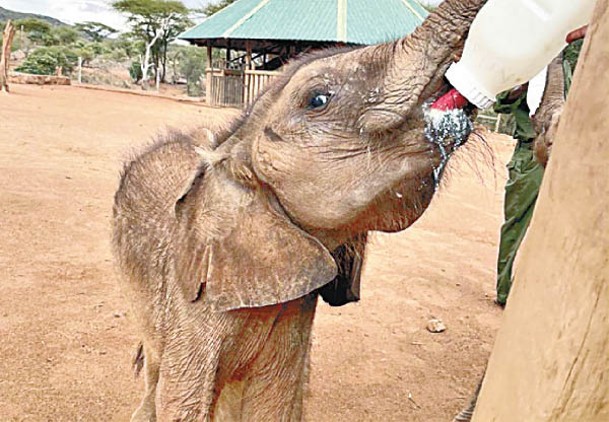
x: 319, y: 101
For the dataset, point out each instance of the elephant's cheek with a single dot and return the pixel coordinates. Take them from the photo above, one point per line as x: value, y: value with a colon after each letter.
x: 268, y: 164
x: 399, y: 207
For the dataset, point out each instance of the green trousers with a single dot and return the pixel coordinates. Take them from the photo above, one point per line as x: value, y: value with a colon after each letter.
x: 521, y: 190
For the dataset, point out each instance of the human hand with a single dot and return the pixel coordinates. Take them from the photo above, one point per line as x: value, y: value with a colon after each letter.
x: 517, y: 91
x: 578, y: 34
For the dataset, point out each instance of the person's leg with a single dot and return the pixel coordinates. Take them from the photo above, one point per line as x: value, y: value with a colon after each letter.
x: 521, y: 193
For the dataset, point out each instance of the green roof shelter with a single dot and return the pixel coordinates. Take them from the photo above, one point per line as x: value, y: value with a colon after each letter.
x: 270, y: 32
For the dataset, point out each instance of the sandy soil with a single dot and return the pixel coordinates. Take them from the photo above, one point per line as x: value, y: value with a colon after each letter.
x: 65, y: 335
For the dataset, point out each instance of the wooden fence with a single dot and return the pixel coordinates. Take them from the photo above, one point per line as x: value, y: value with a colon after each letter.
x: 491, y: 121
x: 254, y: 83
x: 235, y: 88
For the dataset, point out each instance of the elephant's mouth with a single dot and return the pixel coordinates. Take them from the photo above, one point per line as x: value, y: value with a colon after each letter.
x: 441, y: 131
x: 445, y: 131
x: 431, y: 151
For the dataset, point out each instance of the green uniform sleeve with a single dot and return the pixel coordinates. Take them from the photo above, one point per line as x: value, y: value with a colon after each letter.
x: 520, y: 110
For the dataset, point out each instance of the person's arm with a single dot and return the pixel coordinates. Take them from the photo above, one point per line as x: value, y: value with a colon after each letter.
x: 508, y: 101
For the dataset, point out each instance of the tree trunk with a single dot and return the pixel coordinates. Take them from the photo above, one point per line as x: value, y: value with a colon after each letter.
x: 5, y: 60
x: 156, y: 61
x: 145, y: 62
x: 551, y: 357
x: 164, y: 60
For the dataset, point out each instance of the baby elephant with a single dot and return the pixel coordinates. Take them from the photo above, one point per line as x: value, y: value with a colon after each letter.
x: 226, y: 240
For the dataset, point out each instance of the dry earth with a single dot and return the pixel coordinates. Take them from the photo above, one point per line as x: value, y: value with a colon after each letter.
x: 65, y: 335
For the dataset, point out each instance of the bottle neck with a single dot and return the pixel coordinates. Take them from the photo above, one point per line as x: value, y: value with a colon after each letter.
x: 464, y: 82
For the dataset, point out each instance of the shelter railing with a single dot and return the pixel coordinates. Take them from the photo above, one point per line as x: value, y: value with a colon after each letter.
x: 235, y: 87
x: 224, y: 87
x: 255, y: 81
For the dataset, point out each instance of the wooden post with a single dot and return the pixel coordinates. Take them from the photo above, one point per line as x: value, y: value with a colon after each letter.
x: 248, y: 55
x: 5, y: 60
x: 209, y: 54
x: 209, y: 75
x: 550, y: 361
x: 246, y: 75
x: 228, y: 53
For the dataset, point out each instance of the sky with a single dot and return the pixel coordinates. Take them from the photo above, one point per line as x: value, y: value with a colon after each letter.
x: 72, y: 11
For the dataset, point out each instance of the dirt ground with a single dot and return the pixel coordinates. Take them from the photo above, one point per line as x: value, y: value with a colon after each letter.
x: 65, y: 335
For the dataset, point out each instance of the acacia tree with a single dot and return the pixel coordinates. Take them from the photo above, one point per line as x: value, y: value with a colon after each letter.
x: 210, y: 9
x: 96, y: 31
x: 157, y: 23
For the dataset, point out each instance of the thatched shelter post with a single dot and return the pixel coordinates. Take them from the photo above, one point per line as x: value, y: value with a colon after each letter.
x: 208, y: 73
x: 248, y: 55
x: 247, y: 73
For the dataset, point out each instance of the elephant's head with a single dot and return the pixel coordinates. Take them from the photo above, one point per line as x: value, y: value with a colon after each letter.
x: 340, y: 138
x: 336, y: 148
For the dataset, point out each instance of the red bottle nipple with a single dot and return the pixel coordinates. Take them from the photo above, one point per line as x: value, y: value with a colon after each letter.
x: 450, y: 101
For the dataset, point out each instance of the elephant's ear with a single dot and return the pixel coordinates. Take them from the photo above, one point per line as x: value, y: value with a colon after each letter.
x: 236, y: 250
x: 345, y: 287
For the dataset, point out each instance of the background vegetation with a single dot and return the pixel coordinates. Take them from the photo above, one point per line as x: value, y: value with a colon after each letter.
x: 42, y: 45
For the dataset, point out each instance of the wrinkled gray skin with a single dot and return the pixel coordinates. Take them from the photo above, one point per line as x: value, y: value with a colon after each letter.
x: 547, y: 117
x: 225, y: 240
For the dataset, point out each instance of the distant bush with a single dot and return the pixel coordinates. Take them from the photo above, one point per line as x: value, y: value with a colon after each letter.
x: 192, y: 66
x: 135, y: 71
x: 116, y: 55
x: 42, y: 63
x: 45, y: 61
x: 37, y: 30
x: 63, y: 35
x: 126, y: 45
x: 100, y: 48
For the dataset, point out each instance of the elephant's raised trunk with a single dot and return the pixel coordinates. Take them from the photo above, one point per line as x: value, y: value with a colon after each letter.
x: 554, y: 93
x: 416, y: 64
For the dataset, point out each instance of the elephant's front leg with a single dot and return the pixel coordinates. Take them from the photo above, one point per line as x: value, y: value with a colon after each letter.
x: 275, y: 382
x: 146, y: 412
x: 187, y: 381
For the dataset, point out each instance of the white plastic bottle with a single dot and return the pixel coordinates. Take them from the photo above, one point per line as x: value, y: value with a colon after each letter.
x: 511, y: 41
